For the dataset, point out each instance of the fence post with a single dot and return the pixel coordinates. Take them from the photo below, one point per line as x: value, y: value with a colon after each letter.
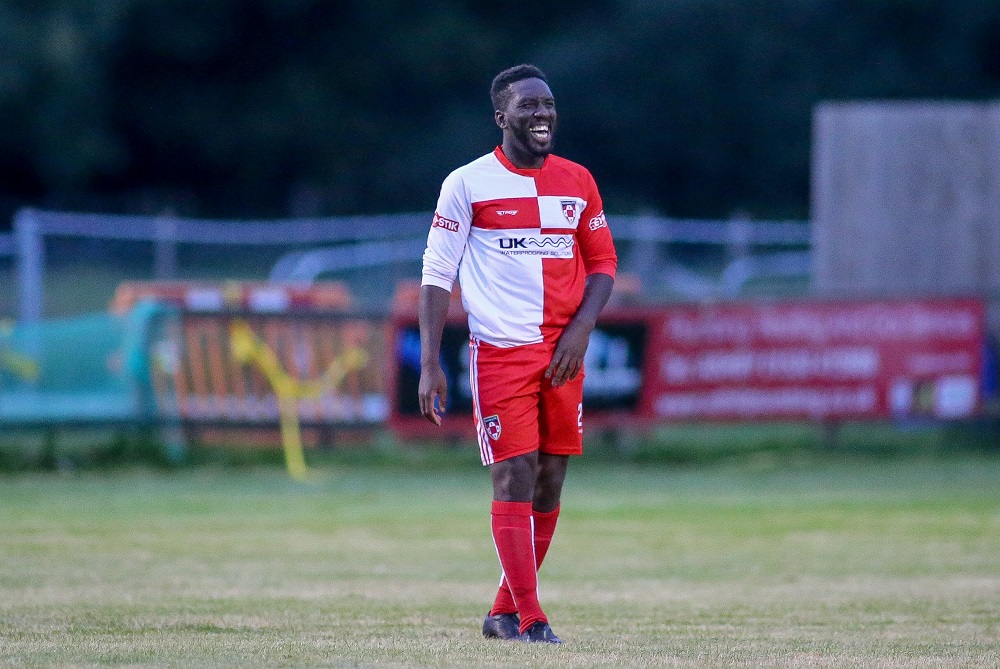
x: 30, y: 248
x: 644, y: 258
x: 738, y: 237
x: 165, y: 247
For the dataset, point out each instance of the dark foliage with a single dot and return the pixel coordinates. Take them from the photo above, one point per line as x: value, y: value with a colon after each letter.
x: 315, y: 107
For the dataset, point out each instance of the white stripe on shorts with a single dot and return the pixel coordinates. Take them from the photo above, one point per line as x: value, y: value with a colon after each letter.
x: 485, y: 450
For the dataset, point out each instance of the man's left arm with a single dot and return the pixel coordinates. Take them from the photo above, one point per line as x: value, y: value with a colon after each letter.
x: 572, y: 346
x: 600, y: 261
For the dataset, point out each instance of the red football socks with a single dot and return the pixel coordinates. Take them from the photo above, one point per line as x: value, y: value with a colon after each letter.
x: 544, y: 528
x: 512, y: 534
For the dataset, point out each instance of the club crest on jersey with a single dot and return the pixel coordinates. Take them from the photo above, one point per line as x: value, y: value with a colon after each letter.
x: 569, y: 209
x: 492, y: 425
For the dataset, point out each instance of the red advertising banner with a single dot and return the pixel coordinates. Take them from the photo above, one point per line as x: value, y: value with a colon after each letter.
x: 816, y: 360
x: 612, y: 388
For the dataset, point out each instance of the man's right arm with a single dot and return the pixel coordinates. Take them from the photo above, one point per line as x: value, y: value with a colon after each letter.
x: 432, y: 393
x: 445, y: 248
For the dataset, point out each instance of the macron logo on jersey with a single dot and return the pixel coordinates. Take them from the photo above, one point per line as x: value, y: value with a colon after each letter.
x: 445, y: 223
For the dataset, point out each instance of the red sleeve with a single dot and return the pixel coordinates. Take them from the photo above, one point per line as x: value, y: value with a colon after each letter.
x: 597, y: 248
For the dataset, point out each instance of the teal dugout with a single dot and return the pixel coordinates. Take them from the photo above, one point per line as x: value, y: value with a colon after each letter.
x: 89, y: 370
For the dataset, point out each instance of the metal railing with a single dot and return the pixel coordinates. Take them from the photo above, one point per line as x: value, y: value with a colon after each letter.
x: 342, y: 243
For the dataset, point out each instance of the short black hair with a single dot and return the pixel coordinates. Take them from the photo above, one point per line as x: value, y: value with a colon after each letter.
x: 500, y: 89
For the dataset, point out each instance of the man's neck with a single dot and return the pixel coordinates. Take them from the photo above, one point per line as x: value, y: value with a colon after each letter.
x: 522, y: 161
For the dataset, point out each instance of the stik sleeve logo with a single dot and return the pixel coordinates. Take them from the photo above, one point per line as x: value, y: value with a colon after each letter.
x: 444, y: 223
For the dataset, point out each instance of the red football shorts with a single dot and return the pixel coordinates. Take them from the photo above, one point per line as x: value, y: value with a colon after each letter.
x: 515, y: 407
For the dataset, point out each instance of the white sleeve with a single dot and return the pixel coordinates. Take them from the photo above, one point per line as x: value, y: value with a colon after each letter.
x: 448, y: 234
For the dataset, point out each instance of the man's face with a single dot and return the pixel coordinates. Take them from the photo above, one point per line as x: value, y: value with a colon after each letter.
x: 529, y: 122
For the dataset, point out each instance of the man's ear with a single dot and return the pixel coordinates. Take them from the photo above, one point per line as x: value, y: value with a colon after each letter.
x: 500, y: 118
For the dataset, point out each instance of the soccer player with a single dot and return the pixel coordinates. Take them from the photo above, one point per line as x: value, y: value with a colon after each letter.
x: 524, y: 232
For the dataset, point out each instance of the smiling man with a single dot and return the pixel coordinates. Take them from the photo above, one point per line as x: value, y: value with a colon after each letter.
x: 525, y: 234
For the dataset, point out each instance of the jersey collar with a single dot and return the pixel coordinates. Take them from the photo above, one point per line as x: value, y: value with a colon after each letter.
x: 529, y: 172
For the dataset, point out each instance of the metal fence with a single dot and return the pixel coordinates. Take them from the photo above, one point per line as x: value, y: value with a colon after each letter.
x: 652, y: 248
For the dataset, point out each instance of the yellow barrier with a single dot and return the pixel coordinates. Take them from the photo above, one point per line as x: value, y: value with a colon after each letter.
x: 20, y: 365
x: 247, y: 349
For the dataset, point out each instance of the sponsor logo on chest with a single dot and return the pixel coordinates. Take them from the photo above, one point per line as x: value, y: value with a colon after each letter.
x: 546, y: 246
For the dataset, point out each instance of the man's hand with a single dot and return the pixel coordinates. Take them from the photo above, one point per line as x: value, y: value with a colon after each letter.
x: 572, y: 345
x: 567, y: 361
x: 433, y: 386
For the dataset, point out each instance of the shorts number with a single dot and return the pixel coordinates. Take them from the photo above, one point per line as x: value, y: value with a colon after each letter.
x: 579, y: 415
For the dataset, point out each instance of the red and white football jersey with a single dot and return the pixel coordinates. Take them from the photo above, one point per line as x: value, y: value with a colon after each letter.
x: 521, y: 242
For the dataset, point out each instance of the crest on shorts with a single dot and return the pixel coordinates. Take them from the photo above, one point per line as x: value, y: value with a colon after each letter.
x: 569, y: 209
x: 492, y: 425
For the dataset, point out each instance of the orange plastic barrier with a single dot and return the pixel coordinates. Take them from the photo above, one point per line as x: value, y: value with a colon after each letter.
x: 200, y: 376
x: 257, y: 297
x: 239, y: 355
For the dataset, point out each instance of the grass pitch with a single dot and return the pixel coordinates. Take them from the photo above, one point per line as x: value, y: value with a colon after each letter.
x: 892, y: 563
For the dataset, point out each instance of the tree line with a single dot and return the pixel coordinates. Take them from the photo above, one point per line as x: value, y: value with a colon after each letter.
x: 261, y: 108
